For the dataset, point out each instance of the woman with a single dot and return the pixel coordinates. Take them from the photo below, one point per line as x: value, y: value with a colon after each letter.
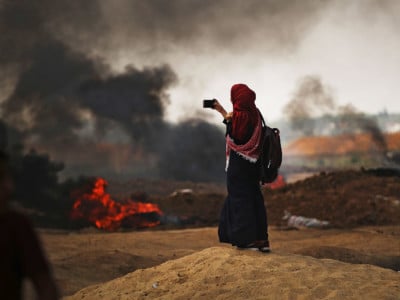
x: 243, y: 221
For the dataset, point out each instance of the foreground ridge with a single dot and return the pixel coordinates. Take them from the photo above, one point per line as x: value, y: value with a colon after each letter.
x: 223, y: 272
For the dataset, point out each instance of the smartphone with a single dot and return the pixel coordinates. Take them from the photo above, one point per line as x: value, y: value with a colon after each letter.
x: 208, y: 103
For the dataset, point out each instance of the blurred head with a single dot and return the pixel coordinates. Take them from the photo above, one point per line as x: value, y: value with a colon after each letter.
x: 245, y: 113
x: 6, y: 182
x: 242, y: 97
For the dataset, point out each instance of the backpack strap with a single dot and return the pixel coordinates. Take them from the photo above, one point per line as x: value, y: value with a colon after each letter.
x: 275, y: 130
x: 262, y: 118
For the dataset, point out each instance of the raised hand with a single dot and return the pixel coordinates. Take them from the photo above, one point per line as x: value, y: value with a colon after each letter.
x: 218, y: 107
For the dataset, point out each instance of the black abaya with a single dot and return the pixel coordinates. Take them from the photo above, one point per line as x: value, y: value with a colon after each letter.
x: 243, y: 217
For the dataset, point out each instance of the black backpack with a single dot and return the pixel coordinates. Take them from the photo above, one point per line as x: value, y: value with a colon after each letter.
x: 271, y: 153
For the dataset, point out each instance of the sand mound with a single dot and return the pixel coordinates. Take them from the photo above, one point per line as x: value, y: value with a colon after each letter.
x: 226, y: 273
x: 113, y: 263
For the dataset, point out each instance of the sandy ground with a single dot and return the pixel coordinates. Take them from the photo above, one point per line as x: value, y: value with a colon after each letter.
x: 90, y: 257
x: 224, y: 273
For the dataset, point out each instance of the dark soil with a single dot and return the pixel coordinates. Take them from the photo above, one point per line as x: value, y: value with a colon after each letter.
x: 345, y: 199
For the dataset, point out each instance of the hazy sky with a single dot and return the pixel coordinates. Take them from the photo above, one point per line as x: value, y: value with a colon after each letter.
x: 353, y: 46
x: 76, y: 74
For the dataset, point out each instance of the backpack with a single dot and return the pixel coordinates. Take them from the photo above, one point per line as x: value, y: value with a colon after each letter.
x: 271, y: 153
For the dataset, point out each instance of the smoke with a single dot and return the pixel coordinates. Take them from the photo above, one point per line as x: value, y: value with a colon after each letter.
x: 352, y: 121
x: 42, y: 104
x: 270, y: 25
x: 53, y: 95
x: 66, y: 102
x: 193, y: 150
x: 134, y: 99
x: 312, y: 99
x: 63, y: 95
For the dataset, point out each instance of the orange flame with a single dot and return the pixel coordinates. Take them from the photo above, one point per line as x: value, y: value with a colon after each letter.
x: 101, y: 210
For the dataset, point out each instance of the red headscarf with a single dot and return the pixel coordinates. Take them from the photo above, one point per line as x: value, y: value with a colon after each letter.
x: 245, y: 113
x: 246, y: 120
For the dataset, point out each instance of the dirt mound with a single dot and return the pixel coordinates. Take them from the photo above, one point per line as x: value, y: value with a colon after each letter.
x: 225, y: 273
x: 346, y: 198
x: 192, y: 210
x: 160, y: 188
x: 92, y: 256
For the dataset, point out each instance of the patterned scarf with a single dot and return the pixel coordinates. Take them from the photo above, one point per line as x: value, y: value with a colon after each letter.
x: 250, y: 150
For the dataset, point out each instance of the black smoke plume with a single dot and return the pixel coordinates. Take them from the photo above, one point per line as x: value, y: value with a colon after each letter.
x: 270, y: 25
x: 352, y: 121
x: 61, y: 95
x: 71, y: 104
x: 310, y: 99
x: 313, y: 99
x: 193, y: 150
x: 134, y: 99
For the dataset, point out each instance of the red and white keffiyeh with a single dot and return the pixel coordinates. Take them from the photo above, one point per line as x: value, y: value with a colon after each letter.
x: 245, y: 114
